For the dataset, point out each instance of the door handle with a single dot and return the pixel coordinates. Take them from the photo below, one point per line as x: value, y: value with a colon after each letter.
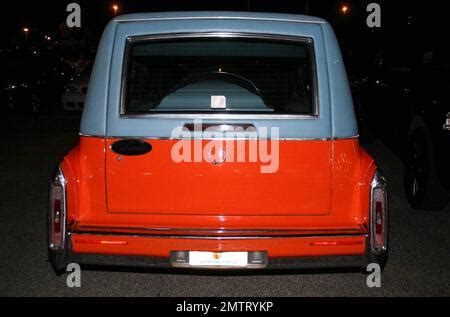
x: 131, y: 147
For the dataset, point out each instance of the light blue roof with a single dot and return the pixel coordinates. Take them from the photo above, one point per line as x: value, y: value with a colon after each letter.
x: 101, y: 115
x: 185, y: 15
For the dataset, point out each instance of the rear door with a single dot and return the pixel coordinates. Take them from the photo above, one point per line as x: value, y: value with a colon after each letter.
x: 251, y: 93
x: 154, y: 183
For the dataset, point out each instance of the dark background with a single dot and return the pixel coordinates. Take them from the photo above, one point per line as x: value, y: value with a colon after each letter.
x: 35, y: 140
x: 414, y: 23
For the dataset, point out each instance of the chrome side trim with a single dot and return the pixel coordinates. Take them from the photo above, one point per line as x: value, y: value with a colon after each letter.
x: 197, y: 138
x: 141, y: 38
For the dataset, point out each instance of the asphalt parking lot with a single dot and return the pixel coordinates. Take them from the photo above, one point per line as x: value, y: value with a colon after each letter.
x: 418, y: 265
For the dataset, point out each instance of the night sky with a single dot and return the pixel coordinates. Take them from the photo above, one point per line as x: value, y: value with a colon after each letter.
x: 404, y: 23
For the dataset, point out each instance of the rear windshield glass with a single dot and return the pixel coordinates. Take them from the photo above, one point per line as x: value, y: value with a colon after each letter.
x: 219, y: 75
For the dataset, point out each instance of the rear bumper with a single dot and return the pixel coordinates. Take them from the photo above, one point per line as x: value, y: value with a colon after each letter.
x: 348, y: 261
x: 303, y: 252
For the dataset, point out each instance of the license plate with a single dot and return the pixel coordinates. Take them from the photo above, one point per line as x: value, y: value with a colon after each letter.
x: 219, y: 259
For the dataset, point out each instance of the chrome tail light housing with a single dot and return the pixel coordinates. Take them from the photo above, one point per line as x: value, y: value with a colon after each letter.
x: 447, y: 122
x: 378, y: 214
x: 57, y: 211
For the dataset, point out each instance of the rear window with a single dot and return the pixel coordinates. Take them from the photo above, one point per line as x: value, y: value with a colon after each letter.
x: 219, y: 75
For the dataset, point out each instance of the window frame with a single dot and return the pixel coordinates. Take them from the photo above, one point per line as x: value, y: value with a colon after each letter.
x: 130, y: 40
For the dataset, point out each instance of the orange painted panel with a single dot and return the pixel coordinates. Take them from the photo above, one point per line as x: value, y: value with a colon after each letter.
x: 155, y: 184
x: 84, y: 170
x: 332, y: 199
x: 353, y: 170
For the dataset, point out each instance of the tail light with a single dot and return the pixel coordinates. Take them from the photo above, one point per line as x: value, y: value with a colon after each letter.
x: 378, y: 214
x: 57, y: 212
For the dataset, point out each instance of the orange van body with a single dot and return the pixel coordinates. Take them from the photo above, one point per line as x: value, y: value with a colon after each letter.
x: 283, y: 214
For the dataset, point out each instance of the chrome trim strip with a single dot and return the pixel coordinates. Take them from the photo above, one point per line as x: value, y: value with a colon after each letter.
x: 216, y: 232
x: 209, y: 237
x: 196, y: 138
x: 220, y: 116
x: 171, y: 36
x: 121, y: 20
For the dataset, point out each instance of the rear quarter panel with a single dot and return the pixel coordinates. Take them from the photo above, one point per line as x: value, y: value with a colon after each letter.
x: 84, y: 171
x: 353, y: 170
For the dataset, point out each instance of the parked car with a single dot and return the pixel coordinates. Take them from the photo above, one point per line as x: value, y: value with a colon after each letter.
x: 406, y: 106
x: 427, y: 158
x: 384, y: 95
x: 30, y: 81
x: 218, y: 140
x: 75, y: 91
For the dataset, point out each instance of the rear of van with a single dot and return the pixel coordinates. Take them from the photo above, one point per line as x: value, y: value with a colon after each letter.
x: 220, y: 140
